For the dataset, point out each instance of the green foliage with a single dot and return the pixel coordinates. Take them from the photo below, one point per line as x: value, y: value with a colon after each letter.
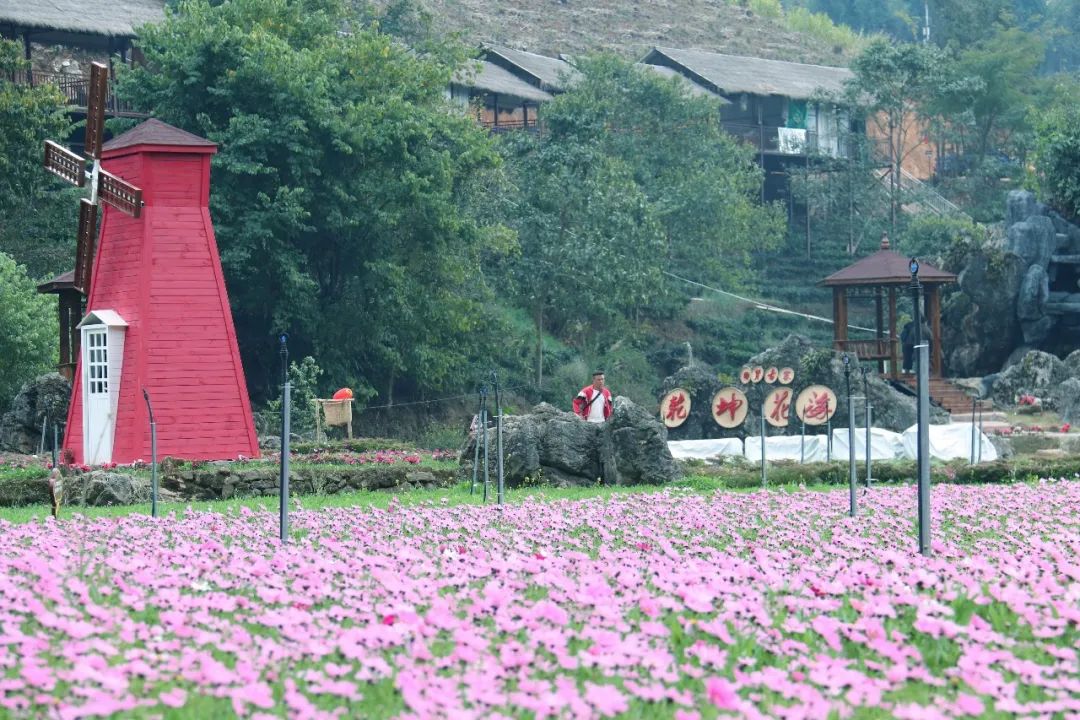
x: 821, y: 26
x: 304, y: 381
x: 1057, y: 156
x: 766, y: 8
x: 934, y: 237
x: 38, y: 227
x: 340, y: 189
x: 632, y: 177
x: 28, y: 342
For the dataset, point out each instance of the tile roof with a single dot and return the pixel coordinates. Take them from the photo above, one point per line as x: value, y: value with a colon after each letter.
x: 156, y: 132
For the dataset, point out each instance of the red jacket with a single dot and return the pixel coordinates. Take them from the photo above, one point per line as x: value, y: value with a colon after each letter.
x: 582, y: 406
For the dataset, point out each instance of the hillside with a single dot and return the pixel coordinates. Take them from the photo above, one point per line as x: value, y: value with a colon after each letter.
x: 628, y: 28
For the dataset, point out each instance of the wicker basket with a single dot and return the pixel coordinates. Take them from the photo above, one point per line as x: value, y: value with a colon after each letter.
x: 337, y: 412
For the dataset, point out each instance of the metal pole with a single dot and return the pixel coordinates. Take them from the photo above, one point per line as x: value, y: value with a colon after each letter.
x: 41, y: 443
x: 764, y: 477
x: 55, y: 445
x: 802, y: 443
x: 283, y: 483
x: 498, y: 436
x: 153, y: 457
x: 923, y: 393
x: 487, y: 465
x: 851, y: 457
x: 476, y: 454
x: 869, y: 419
x: 869, y: 413
x: 973, y: 428
x: 980, y: 432
x: 924, y: 449
x: 828, y: 440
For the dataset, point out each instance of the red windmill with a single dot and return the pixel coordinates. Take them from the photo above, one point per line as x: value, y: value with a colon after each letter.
x: 157, y: 312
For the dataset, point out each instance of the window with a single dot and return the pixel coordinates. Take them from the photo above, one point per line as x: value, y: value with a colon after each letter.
x: 97, y: 362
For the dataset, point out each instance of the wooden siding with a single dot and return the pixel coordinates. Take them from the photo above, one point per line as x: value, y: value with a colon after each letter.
x: 162, y: 274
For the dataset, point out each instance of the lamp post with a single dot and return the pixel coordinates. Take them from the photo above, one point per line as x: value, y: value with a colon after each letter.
x: 869, y: 410
x: 498, y: 436
x: 923, y: 415
x: 283, y: 482
x: 852, y: 509
x: 153, y: 456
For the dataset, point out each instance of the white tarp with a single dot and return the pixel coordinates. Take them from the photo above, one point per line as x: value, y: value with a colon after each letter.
x: 884, y: 444
x: 787, y: 447
x: 705, y: 449
x: 948, y: 442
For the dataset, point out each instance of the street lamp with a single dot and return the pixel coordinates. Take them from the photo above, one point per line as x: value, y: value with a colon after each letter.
x: 922, y: 388
x: 868, y: 410
x: 286, y: 412
x: 852, y: 509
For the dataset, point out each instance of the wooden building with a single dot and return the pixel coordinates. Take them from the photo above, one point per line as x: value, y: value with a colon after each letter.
x: 102, y: 27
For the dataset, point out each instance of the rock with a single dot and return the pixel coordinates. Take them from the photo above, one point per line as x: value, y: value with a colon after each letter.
x: 1072, y: 364
x: 1036, y: 331
x: 560, y: 448
x: 639, y: 446
x: 823, y: 366
x: 1020, y: 205
x: 45, y: 395
x: 979, y: 324
x: 1034, y: 240
x: 101, y: 488
x: 1034, y: 292
x: 270, y: 442
x: 1066, y: 398
x: 1036, y: 374
x: 702, y: 383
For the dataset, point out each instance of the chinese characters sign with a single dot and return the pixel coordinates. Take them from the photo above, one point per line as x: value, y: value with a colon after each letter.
x: 772, y: 375
x: 815, y: 405
x: 729, y: 408
x: 675, y: 408
x: 778, y: 407
x: 787, y: 375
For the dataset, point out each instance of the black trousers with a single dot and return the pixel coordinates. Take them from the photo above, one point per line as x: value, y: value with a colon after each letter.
x: 909, y: 353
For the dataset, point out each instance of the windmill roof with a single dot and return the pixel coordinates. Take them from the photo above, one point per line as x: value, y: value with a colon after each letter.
x: 113, y: 18
x: 756, y: 76
x: 886, y: 268
x: 156, y: 132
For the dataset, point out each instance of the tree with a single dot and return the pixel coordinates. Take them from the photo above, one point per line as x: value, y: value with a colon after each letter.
x: 38, y: 218
x: 890, y: 84
x: 339, y: 189
x: 28, y: 343
x: 1057, y: 156
x: 632, y: 177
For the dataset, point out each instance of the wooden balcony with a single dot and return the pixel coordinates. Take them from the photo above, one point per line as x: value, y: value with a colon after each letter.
x: 505, y: 126
x: 869, y: 349
x: 74, y: 88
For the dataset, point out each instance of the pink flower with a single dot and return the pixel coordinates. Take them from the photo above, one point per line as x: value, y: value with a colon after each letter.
x: 607, y: 700
x: 721, y: 694
x: 173, y: 698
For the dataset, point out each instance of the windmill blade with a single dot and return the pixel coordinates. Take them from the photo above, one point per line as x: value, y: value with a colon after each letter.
x: 122, y: 195
x: 84, y: 252
x: 95, y: 108
x: 67, y: 165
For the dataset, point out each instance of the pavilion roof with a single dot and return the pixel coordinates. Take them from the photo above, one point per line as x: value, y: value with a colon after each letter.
x: 886, y: 267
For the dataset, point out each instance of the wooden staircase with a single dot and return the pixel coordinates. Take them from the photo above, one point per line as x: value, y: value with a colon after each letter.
x: 946, y: 394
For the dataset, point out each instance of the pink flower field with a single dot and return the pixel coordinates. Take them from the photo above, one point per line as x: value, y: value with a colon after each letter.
x: 669, y: 605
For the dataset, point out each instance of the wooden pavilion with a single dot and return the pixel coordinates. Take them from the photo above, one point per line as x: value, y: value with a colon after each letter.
x: 880, y: 277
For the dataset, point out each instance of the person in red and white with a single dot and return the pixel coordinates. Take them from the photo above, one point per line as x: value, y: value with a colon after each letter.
x: 593, y: 403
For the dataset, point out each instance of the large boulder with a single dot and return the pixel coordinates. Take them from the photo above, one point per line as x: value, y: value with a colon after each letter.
x: 702, y: 383
x: 814, y: 365
x: 1072, y: 364
x: 1066, y: 397
x: 1038, y: 373
x: 554, y: 446
x: 44, y: 396
x: 979, y: 324
x: 101, y: 488
x: 1020, y: 205
x: 1034, y: 240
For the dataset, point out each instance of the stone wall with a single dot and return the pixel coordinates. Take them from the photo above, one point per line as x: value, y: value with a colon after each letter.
x: 221, y: 481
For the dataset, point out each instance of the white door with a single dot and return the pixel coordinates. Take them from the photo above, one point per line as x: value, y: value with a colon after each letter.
x: 98, y: 420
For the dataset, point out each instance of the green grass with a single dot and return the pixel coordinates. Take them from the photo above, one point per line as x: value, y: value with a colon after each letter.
x: 457, y: 495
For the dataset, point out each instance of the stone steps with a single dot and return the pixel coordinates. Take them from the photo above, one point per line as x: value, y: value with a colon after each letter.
x: 948, y: 395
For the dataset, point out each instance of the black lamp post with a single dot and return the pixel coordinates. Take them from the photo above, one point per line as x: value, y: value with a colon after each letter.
x: 852, y: 480
x: 868, y: 408
x: 283, y: 481
x: 922, y: 387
